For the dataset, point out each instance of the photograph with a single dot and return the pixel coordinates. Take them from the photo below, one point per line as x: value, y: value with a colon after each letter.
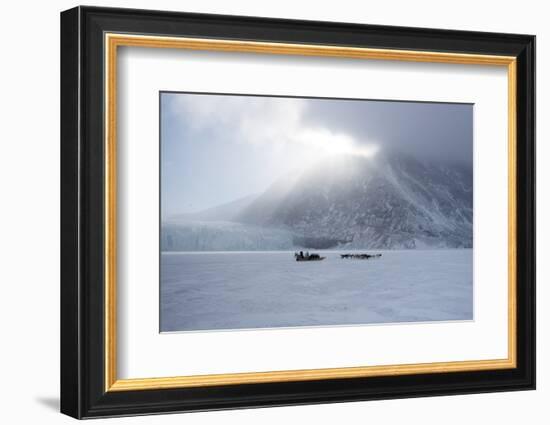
x: 283, y: 212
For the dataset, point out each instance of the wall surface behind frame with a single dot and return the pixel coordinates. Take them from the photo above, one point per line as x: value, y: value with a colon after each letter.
x: 29, y: 225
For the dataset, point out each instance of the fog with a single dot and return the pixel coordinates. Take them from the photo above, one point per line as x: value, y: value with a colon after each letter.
x: 441, y: 131
x: 216, y: 148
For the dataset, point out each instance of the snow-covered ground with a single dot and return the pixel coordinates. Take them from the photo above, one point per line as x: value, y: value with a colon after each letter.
x: 239, y: 290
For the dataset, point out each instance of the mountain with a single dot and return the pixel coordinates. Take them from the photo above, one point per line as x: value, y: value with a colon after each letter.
x: 388, y: 201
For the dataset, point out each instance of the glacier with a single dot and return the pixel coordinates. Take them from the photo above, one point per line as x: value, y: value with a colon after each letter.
x: 223, y: 236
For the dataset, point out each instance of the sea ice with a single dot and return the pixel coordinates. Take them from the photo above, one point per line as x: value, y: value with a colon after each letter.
x: 239, y: 290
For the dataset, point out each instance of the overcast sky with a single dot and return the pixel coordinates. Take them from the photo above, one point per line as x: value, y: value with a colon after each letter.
x: 216, y: 148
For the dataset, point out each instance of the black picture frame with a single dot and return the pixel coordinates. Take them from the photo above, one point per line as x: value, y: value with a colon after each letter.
x: 83, y: 392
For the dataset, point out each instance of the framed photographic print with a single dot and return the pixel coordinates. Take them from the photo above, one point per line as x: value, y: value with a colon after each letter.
x: 261, y: 212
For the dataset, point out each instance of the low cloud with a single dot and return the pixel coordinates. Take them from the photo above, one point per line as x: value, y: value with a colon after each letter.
x: 274, y: 122
x: 218, y: 148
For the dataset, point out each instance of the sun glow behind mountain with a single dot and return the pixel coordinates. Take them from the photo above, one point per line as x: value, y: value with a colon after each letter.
x: 279, y: 132
x: 327, y: 143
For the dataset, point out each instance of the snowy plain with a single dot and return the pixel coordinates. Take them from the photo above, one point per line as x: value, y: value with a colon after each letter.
x: 247, y: 290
